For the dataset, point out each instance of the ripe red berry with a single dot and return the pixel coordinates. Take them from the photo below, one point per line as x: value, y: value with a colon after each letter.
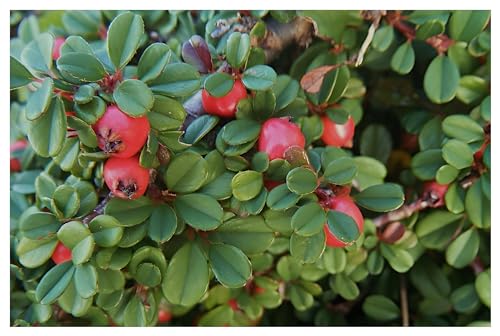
x: 338, y: 135
x: 56, y: 51
x: 233, y: 304
x: 125, y: 177
x: 435, y: 192
x: 120, y: 135
x: 277, y: 135
x: 270, y: 185
x: 164, y: 316
x: 61, y: 253
x: 15, y: 164
x: 346, y: 205
x: 225, y: 106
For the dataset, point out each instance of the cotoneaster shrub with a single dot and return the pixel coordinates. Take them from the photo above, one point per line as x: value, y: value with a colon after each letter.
x: 250, y: 168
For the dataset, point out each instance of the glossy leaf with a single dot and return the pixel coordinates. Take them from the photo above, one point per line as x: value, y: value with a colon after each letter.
x: 133, y: 97
x: 383, y: 197
x: 230, y: 265
x: 124, y: 36
x: 441, y: 80
x: 200, y: 211
x: 82, y: 66
x: 259, y: 77
x: 180, y: 179
x: 54, y: 282
x: 309, y: 219
x: 237, y: 49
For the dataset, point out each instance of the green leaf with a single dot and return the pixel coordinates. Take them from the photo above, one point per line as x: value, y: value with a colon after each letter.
x: 323, y: 21
x: 380, y: 308
x: 430, y: 279
x: 345, y: 286
x: 47, y: 133
x: 200, y: 211
x: 400, y: 260
x: 463, y: 249
x: 133, y: 97
x: 429, y: 28
x: 84, y: 94
x: 259, y: 77
x: 462, y: 127
x: 472, y: 89
x: 221, y: 315
x: 106, y: 230
x: 68, y: 156
x: 370, y: 172
x: 85, y: 132
x: 92, y: 111
x: 34, y: 253
x: 281, y: 198
x: 83, y: 22
x: 246, y: 185
x: 219, y: 84
x: 113, y: 258
x: 383, y: 38
x: 478, y: 207
x: 263, y: 104
x: 307, y: 249
x: 446, y: 174
x: 455, y: 199
x: 54, y: 282
x: 458, y: 154
x: 72, y: 302
x: 334, y: 260
x: 82, y: 66
x: 134, y: 314
x: 342, y: 226
x: 309, y: 219
x: 38, y: 225
x: 288, y: 268
x: 403, y: 59
x: 426, y: 164
x: 249, y: 234
x: 176, y: 80
x: 180, y: 179
x: 341, y: 171
x: 77, y: 237
x: 186, y: 279
x: 166, y: 114
x: 375, y: 263
x: 466, y: 24
x: 301, y: 181
x: 465, y: 299
x: 76, y: 44
x: 333, y: 89
x: 65, y: 201
x: 382, y: 198
x: 28, y: 29
x: 434, y: 231
x: 483, y: 287
x: 431, y: 136
x: 86, y: 280
x: 124, y: 36
x: 110, y: 280
x: 441, y: 80
x: 199, y: 128
x: 237, y: 49
x: 39, y: 101
x: 376, y: 142
x: 37, y: 54
x: 162, y: 224
x: 19, y: 74
x: 129, y: 212
x: 285, y: 90
x: 230, y: 265
x: 238, y: 132
x: 152, y: 62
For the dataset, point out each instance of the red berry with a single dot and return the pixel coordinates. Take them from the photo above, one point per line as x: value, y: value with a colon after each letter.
x: 233, y: 304
x: 435, y: 192
x: 125, y: 177
x: 346, y: 205
x: 15, y: 164
x: 277, y: 135
x: 120, y: 135
x: 270, y: 185
x: 56, y: 52
x: 225, y: 106
x: 61, y: 253
x: 164, y: 316
x: 336, y: 134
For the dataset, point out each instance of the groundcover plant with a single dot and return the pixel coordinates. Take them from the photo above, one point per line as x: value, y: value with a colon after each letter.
x: 236, y: 168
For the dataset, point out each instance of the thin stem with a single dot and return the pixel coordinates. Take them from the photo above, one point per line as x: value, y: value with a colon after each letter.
x: 404, y: 302
x: 98, y: 210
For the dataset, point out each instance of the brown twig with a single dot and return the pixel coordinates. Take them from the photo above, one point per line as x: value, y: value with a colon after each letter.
x: 404, y: 212
x: 405, y: 316
x: 98, y: 210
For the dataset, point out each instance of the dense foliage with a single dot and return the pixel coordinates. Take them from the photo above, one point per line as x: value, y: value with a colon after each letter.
x: 250, y: 168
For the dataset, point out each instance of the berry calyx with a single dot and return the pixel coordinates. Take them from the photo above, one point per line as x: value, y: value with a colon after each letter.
x: 434, y: 193
x: 346, y: 205
x: 61, y: 254
x: 277, y: 135
x: 338, y: 135
x: 56, y: 51
x: 164, y: 316
x: 15, y: 163
x: 225, y: 106
x: 120, y: 135
x: 126, y: 178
